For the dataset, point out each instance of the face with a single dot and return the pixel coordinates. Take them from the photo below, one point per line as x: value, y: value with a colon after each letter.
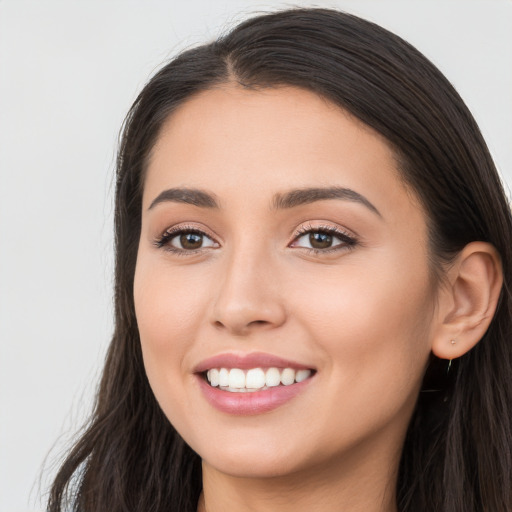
x: 281, y: 255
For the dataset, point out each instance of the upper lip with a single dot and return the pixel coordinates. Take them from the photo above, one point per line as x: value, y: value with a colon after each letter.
x: 247, y: 361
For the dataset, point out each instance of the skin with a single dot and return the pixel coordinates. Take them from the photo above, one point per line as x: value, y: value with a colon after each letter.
x: 365, y: 315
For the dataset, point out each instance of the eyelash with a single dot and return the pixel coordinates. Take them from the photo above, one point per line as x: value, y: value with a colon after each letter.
x: 163, y: 242
x: 348, y: 241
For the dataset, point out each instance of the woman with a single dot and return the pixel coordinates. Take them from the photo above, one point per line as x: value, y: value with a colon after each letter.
x: 312, y: 286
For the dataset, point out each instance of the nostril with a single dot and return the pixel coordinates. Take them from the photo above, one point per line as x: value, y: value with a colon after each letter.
x: 221, y: 325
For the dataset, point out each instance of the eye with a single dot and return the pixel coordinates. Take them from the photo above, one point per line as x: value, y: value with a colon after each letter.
x: 322, y: 239
x: 319, y: 240
x: 191, y: 241
x: 185, y: 240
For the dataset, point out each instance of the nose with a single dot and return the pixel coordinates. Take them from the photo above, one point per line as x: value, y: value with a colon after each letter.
x: 249, y: 296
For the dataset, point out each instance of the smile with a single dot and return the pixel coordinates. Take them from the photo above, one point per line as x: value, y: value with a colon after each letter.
x: 254, y: 383
x: 237, y: 380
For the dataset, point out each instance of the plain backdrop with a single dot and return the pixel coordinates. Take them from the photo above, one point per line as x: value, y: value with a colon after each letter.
x: 69, y: 71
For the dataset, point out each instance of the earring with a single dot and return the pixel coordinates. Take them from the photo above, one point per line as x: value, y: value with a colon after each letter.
x: 450, y: 361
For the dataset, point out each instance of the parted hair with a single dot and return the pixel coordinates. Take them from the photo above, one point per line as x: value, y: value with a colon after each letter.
x: 457, y: 455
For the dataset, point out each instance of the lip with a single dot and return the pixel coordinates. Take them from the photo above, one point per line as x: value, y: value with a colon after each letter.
x: 255, y: 402
x: 251, y: 403
x: 248, y: 361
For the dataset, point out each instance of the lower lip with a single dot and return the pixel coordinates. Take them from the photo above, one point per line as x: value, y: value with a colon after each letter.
x: 250, y: 403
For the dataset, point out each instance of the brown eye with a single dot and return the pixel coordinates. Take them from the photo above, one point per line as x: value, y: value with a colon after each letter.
x: 324, y: 240
x: 190, y: 241
x: 319, y: 240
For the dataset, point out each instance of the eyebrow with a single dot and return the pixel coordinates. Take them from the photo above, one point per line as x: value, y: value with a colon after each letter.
x: 310, y: 195
x: 280, y: 201
x: 192, y: 196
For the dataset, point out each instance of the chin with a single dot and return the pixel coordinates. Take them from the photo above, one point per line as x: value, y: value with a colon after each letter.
x: 257, y: 457
x: 254, y: 467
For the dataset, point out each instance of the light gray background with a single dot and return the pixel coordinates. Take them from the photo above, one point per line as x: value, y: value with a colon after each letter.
x: 68, y: 73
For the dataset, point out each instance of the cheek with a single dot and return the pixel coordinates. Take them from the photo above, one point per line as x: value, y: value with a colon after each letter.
x: 372, y: 331
x: 167, y: 304
x: 371, y: 320
x: 168, y: 308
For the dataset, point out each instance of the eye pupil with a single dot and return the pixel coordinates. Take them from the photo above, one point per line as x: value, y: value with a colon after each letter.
x: 191, y: 240
x: 320, y: 240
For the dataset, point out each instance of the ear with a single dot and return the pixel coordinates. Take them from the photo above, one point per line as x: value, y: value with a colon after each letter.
x: 468, y: 301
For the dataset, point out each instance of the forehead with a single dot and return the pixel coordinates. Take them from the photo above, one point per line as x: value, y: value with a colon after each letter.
x: 257, y: 142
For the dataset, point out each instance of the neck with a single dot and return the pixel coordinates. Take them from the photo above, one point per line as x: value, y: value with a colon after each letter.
x: 357, y: 484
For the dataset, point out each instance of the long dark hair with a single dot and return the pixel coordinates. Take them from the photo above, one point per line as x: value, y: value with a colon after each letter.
x: 457, y: 455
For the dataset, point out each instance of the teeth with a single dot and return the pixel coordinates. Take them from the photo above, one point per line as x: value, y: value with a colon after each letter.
x: 273, y: 377
x: 236, y: 378
x: 255, y: 379
x: 299, y: 376
x: 287, y: 376
x: 223, y: 377
x: 213, y: 377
